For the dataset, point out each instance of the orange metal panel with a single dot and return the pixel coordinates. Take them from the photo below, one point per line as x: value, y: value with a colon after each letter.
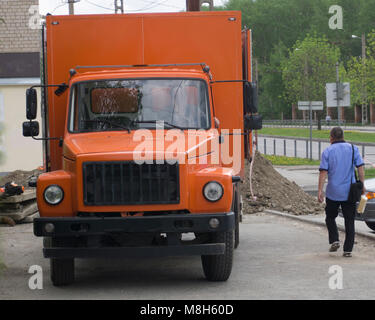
x: 85, y: 40
x: 213, y: 38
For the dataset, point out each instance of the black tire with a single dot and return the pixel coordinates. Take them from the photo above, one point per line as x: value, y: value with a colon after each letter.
x: 219, y: 267
x: 62, y: 271
x: 371, y: 225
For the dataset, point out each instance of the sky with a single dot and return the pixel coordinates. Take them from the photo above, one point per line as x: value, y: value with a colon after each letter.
x: 60, y: 7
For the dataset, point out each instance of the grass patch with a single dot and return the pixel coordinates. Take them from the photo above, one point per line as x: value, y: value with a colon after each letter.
x: 290, y: 161
x: 369, y: 173
x: 318, y: 134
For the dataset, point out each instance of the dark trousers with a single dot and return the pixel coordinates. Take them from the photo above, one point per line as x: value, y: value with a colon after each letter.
x: 348, y: 210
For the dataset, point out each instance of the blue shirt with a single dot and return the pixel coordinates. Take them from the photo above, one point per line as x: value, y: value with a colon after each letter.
x: 337, y: 161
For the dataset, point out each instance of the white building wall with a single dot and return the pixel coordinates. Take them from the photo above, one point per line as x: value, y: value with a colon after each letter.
x: 18, y: 152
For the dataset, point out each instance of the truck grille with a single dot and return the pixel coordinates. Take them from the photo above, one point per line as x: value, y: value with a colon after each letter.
x: 128, y: 183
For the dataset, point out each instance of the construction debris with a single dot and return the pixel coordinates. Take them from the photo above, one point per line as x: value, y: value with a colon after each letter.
x: 8, y: 221
x: 273, y: 191
x: 20, y: 177
x: 18, y: 207
x: 11, y: 189
x: 17, y: 198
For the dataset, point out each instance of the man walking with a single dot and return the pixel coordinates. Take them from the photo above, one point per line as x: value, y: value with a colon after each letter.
x: 337, y: 163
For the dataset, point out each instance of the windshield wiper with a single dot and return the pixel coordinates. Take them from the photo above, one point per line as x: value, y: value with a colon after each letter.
x: 155, y: 121
x: 113, y: 124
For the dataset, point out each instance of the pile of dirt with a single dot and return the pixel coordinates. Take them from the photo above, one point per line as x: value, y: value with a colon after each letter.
x: 273, y: 191
x: 20, y: 177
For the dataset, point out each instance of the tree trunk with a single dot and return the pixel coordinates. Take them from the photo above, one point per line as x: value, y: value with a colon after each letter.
x: 372, y: 113
x: 294, y: 111
x: 357, y: 114
x: 342, y: 109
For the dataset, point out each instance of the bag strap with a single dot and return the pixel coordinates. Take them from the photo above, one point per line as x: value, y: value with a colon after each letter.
x: 355, y: 172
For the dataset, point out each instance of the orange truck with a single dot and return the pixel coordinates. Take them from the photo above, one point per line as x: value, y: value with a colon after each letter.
x: 147, y: 122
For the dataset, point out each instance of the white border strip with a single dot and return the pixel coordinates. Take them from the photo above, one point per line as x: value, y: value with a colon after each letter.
x: 19, y: 81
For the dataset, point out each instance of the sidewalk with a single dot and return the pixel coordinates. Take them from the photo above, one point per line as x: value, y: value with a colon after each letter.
x: 304, y: 176
x: 307, y: 178
x: 361, y: 228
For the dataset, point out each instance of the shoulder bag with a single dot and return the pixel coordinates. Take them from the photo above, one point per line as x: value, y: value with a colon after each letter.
x: 356, y: 188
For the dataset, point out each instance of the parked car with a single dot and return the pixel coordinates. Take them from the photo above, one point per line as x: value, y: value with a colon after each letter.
x: 368, y: 216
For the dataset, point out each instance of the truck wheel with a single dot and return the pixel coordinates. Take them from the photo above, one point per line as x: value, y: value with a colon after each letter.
x: 62, y: 271
x: 219, y: 267
x: 371, y: 225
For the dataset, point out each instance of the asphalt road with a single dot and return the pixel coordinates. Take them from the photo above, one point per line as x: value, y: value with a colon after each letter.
x: 278, y: 258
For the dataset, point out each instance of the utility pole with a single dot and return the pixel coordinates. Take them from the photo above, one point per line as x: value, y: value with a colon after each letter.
x: 71, y: 6
x: 308, y: 98
x: 337, y: 94
x: 364, y: 105
x: 256, y: 73
x: 119, y: 6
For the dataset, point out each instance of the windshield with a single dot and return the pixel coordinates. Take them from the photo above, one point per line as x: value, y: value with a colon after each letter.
x: 139, y: 103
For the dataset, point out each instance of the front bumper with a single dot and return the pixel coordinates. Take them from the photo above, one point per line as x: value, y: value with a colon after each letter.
x: 78, y: 226
x: 177, y: 223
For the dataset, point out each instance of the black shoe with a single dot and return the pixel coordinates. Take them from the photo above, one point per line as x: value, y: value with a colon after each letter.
x: 347, y: 254
x: 334, y: 246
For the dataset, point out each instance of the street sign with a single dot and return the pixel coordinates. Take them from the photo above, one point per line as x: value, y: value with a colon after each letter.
x: 310, y: 106
x: 315, y: 105
x: 343, y: 94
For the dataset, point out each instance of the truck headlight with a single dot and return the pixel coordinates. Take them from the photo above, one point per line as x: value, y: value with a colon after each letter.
x: 213, y: 191
x: 53, y: 194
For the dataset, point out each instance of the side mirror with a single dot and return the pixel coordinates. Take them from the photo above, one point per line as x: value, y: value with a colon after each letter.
x: 253, y: 122
x: 31, y: 104
x: 250, y: 97
x: 30, y: 129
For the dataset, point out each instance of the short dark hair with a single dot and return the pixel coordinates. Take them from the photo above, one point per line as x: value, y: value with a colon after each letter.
x: 337, y: 134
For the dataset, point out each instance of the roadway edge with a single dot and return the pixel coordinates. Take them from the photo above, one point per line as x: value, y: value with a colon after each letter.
x: 315, y: 222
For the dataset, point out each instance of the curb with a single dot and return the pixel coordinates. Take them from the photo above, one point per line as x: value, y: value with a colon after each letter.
x: 315, y: 222
x: 297, y: 167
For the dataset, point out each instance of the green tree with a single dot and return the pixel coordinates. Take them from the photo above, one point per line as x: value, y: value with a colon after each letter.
x: 271, y: 86
x: 361, y: 74
x: 276, y: 26
x: 280, y: 24
x: 311, y: 64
